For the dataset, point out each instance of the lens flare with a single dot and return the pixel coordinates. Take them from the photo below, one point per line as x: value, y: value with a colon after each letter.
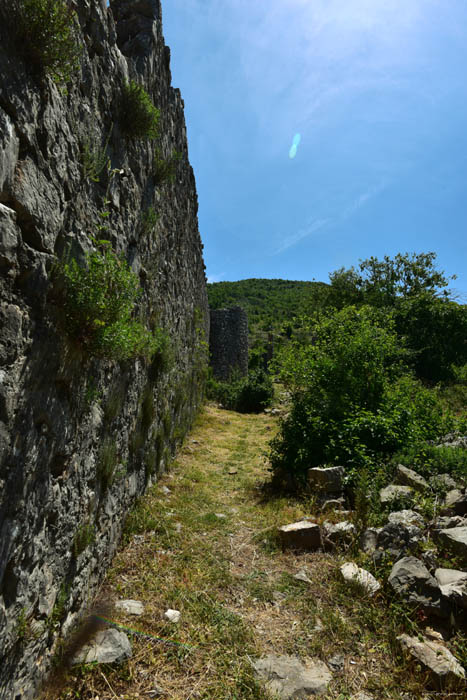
x: 294, y: 147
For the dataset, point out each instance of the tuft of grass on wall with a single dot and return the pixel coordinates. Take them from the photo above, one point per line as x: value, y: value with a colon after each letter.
x: 139, y: 118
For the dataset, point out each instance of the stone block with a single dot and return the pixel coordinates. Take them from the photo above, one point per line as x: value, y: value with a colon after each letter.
x: 326, y: 480
x: 300, y: 535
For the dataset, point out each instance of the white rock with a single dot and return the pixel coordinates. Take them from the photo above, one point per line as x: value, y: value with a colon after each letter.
x: 351, y: 572
x: 172, y: 615
x: 108, y: 646
x: 132, y: 607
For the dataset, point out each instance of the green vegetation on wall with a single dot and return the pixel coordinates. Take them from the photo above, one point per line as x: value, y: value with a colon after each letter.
x: 45, y: 32
x: 98, y: 300
x: 139, y: 118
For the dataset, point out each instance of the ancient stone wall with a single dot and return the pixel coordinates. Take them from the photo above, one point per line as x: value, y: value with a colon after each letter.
x: 228, y: 342
x: 81, y: 437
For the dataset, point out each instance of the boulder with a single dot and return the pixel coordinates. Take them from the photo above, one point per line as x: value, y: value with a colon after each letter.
x: 394, y: 492
x: 453, y: 585
x: 351, y: 572
x: 288, y: 677
x: 412, y: 581
x: 107, y: 647
x: 300, y: 535
x: 326, y: 480
x: 447, y: 521
x: 443, y: 481
x: 408, y: 477
x: 454, y: 539
x: 435, y: 657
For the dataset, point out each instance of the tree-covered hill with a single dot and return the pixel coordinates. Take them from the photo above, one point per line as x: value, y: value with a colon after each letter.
x: 268, y: 302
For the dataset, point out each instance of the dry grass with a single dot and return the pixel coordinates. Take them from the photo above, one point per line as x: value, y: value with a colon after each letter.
x: 234, y: 587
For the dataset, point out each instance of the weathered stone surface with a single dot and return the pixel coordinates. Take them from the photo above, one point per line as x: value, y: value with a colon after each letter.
x: 339, y: 533
x: 288, y: 677
x: 406, y: 517
x: 52, y: 432
x: 131, y: 607
x: 444, y: 481
x: 409, y: 477
x: 172, y: 615
x: 453, y: 440
x: 332, y: 504
x: 394, y: 492
x: 434, y: 657
x: 455, y: 503
x: 453, y: 585
x: 454, y: 539
x: 108, y: 646
x: 412, y: 581
x: 351, y: 572
x: 447, y: 521
x: 300, y: 535
x: 326, y: 480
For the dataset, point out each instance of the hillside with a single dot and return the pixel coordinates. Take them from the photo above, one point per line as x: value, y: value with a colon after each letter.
x: 268, y: 302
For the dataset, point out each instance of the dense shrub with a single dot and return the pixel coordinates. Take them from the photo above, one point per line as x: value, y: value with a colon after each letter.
x: 46, y: 35
x: 353, y: 399
x: 250, y: 394
x: 138, y: 116
x: 98, y: 300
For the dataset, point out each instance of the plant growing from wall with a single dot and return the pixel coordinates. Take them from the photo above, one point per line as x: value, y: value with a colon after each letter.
x: 106, y: 463
x: 94, y: 159
x: 98, y: 301
x: 164, y: 169
x: 84, y: 537
x: 149, y: 219
x: 139, y: 118
x: 46, y: 34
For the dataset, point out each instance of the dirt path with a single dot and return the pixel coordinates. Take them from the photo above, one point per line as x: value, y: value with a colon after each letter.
x: 203, y: 542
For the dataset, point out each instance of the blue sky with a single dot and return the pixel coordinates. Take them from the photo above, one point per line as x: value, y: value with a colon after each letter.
x: 377, y: 91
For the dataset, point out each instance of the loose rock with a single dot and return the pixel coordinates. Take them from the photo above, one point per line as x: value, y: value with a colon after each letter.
x: 454, y: 539
x: 434, y: 656
x: 300, y: 535
x: 132, y: 607
x: 406, y: 517
x: 339, y: 533
x: 368, y: 540
x: 351, y: 572
x: 412, y: 581
x: 453, y: 585
x: 326, y: 480
x: 287, y: 677
x: 394, y: 492
x: 455, y: 503
x: 172, y: 615
x: 409, y: 477
x: 107, y: 647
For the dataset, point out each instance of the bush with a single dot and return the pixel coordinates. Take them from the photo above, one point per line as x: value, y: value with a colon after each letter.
x: 251, y: 394
x: 353, y: 400
x: 45, y: 32
x: 138, y: 116
x: 98, y: 300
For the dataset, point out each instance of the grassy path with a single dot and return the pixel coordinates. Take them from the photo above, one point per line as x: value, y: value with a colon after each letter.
x: 203, y: 542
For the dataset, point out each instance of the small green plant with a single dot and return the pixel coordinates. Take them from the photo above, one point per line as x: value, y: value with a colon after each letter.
x: 84, y: 537
x: 138, y: 116
x: 149, y: 219
x: 46, y: 35
x: 94, y: 159
x: 107, y: 462
x: 22, y: 626
x: 251, y: 394
x: 98, y: 301
x: 164, y: 169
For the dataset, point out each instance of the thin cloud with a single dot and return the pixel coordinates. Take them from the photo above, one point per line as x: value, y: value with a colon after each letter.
x: 302, y: 233
x: 216, y: 278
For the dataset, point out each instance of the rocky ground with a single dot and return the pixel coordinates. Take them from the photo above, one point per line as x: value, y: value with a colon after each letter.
x: 225, y: 589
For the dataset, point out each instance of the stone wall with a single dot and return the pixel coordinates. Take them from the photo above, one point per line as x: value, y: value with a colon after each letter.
x: 228, y: 342
x: 80, y: 437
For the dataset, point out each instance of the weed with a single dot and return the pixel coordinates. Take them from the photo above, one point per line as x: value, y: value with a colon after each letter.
x: 106, y: 462
x: 94, y: 159
x: 46, y: 35
x: 164, y: 169
x: 147, y: 409
x: 114, y: 403
x: 85, y: 535
x: 138, y: 116
x: 22, y: 628
x: 149, y: 219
